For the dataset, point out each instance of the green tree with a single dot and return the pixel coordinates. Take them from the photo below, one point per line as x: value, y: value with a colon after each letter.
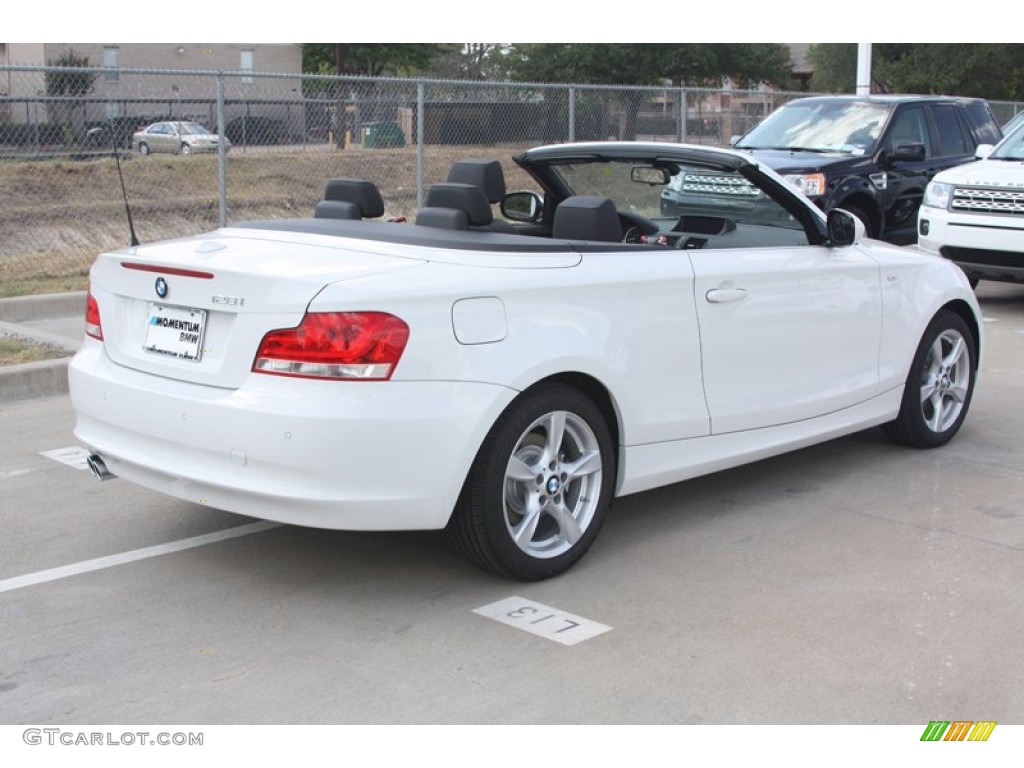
x: 69, y: 86
x: 69, y: 83
x: 697, y: 64
x: 630, y: 64
x: 472, y: 61
x: 371, y: 59
x: 985, y: 70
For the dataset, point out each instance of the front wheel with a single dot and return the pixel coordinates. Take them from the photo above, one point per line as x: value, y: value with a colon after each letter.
x: 537, y: 493
x: 939, y: 386
x: 186, y: 149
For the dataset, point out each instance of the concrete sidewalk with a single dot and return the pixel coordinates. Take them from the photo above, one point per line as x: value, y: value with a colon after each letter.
x: 57, y: 319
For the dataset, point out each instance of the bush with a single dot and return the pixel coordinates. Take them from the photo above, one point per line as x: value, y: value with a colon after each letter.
x: 31, y: 134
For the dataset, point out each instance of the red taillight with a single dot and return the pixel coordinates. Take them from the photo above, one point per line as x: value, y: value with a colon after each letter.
x: 365, y: 346
x: 93, y: 327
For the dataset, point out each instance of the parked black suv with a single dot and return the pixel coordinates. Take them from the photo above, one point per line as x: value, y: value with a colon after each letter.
x: 872, y: 155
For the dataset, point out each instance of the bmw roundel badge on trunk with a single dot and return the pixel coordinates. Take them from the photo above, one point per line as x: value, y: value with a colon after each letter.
x: 161, y: 288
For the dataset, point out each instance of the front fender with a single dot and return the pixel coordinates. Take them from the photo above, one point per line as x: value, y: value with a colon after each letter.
x: 861, y: 191
x: 914, y: 289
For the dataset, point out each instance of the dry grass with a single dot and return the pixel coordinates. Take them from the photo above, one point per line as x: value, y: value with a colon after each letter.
x: 15, y: 351
x: 58, y: 214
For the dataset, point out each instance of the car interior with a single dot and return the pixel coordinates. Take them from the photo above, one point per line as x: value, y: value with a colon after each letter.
x: 665, y: 206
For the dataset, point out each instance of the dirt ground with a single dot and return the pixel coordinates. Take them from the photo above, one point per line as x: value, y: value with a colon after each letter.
x: 59, y: 214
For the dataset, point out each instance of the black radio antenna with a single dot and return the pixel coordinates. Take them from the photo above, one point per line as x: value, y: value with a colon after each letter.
x: 124, y: 192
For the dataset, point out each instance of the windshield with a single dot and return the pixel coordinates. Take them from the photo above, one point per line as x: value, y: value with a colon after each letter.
x: 849, y: 127
x: 685, y: 189
x: 1012, y: 146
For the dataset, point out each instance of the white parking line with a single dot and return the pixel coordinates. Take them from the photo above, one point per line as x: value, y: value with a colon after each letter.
x: 73, y: 456
x: 99, y: 563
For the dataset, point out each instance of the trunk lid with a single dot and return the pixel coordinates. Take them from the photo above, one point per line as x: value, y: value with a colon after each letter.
x: 196, y: 309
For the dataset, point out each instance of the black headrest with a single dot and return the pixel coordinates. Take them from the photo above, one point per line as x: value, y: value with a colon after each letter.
x: 486, y: 174
x: 337, y: 209
x: 462, y: 197
x: 443, y: 218
x: 363, y: 193
x: 587, y: 218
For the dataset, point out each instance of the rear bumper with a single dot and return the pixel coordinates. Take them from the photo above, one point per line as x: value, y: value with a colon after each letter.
x: 344, y: 455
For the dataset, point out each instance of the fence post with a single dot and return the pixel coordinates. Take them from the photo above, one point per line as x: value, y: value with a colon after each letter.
x: 681, y: 127
x: 35, y: 125
x: 222, y: 171
x: 420, y: 103
x: 572, y: 114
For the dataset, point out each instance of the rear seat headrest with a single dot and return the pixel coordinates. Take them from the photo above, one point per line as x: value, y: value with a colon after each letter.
x: 362, y: 193
x: 462, y: 197
x: 442, y: 218
x: 486, y: 174
x: 337, y: 209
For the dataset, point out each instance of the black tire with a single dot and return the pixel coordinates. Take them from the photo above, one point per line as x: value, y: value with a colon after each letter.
x: 186, y: 149
x: 143, y: 148
x: 939, y: 386
x: 544, y: 478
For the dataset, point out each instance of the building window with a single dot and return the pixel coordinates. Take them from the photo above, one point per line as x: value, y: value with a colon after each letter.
x: 247, y: 65
x: 111, y: 64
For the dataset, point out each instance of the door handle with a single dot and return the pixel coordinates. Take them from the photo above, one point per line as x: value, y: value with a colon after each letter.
x: 725, y: 295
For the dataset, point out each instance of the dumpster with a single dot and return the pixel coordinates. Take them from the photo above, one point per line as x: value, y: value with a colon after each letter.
x: 382, y: 134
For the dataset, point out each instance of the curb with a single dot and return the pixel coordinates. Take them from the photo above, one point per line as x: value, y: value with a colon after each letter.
x: 29, y: 380
x: 22, y: 308
x: 45, y: 377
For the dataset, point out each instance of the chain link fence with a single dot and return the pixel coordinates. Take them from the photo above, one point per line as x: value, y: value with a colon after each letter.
x: 67, y: 133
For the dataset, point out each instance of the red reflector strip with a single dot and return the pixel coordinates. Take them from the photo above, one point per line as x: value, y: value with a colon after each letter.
x: 167, y: 270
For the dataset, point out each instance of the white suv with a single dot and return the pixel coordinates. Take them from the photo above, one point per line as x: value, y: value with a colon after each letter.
x: 973, y: 214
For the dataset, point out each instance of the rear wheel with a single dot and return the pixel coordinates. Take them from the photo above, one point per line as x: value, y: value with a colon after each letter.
x: 939, y: 386
x: 539, y: 488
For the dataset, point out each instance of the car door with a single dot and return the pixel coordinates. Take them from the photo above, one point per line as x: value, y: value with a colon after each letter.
x: 788, y: 332
x: 953, y: 141
x: 905, y: 180
x: 157, y: 137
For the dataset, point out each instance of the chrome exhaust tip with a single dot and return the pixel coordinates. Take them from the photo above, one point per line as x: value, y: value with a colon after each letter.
x: 98, y: 468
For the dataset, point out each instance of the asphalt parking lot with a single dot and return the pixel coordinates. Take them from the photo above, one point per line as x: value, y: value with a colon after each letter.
x: 856, y: 582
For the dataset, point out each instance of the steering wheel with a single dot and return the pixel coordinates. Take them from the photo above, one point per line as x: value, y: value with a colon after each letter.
x: 636, y: 227
x: 633, y: 236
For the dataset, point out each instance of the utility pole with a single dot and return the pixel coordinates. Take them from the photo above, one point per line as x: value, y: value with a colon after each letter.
x: 863, y: 69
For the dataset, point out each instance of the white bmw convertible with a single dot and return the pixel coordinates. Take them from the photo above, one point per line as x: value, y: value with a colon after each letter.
x: 660, y: 312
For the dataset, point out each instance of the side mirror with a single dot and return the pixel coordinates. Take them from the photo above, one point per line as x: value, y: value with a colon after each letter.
x: 844, y: 228
x: 522, y: 206
x: 983, y: 151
